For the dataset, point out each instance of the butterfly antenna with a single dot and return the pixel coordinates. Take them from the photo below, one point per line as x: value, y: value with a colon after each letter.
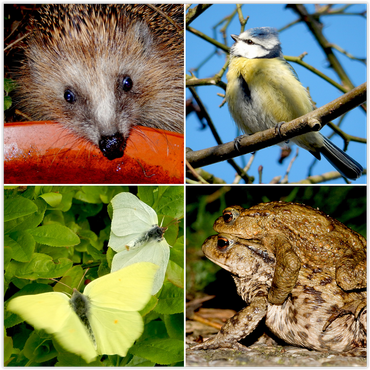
x: 83, y: 276
x: 173, y: 222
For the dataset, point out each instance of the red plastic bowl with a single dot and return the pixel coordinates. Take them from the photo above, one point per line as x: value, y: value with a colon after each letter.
x: 45, y: 153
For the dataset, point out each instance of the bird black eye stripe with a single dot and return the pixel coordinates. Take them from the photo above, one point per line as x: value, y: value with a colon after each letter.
x: 249, y: 42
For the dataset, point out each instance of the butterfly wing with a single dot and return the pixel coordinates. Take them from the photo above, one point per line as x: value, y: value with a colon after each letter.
x: 114, y: 301
x: 131, y: 217
x: 127, y: 289
x: 115, y: 330
x: 120, y: 243
x: 155, y: 252
x: 52, y: 312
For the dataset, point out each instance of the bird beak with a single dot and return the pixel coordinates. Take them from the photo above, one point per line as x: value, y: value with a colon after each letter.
x: 235, y: 37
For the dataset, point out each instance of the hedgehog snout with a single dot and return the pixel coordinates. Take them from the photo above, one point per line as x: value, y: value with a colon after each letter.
x: 112, y: 146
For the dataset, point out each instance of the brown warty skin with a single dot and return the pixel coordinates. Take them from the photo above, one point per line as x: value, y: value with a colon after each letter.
x: 102, y: 69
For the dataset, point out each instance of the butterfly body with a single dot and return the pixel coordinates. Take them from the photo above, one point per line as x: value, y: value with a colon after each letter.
x: 80, y: 304
x: 154, y: 234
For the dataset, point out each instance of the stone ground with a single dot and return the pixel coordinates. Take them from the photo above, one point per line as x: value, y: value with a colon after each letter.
x: 270, y: 356
x: 262, y: 350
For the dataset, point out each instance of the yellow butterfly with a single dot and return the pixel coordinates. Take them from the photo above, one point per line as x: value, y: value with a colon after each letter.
x: 102, y: 320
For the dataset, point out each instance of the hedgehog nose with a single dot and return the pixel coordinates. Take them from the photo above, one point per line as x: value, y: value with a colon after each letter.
x: 112, y: 146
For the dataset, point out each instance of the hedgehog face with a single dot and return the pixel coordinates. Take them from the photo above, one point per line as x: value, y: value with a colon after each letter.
x: 99, y: 79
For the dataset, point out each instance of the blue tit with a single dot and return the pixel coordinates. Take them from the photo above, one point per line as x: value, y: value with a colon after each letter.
x: 263, y: 90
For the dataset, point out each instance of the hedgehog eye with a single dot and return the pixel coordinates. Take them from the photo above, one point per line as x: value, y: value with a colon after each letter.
x: 222, y: 244
x: 69, y: 96
x: 127, y: 83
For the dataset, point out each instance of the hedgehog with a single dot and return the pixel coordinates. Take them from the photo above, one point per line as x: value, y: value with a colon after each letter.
x: 101, y: 70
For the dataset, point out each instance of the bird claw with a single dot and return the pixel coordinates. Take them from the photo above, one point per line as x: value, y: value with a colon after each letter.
x: 278, y: 127
x: 237, y: 142
x: 277, y: 130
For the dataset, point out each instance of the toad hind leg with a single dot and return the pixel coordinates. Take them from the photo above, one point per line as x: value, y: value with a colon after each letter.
x: 351, y: 273
x: 353, y: 307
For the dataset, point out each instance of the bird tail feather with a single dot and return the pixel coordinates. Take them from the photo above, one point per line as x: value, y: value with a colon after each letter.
x: 343, y: 163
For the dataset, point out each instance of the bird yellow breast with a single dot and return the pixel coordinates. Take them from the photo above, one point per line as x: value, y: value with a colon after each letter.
x: 271, y: 82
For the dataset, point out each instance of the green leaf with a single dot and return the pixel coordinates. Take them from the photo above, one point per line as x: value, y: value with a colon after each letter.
x: 171, y: 300
x: 67, y: 197
x: 175, y: 325
x: 91, y: 194
x: 66, y: 359
x: 42, y: 266
x: 161, y: 351
x: 18, y: 207
x: 55, y: 217
x: 38, y: 348
x: 172, y: 202
x: 55, y: 235
x: 9, y: 85
x: 140, y: 361
x: 149, y: 194
x: 53, y: 199
x: 7, y: 102
x: 22, y: 245
x: 28, y: 222
x: 175, y: 274
x: 149, y: 306
x: 8, y: 253
x: 8, y: 348
x: 177, y: 252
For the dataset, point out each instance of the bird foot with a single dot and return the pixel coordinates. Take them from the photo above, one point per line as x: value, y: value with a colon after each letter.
x: 277, y: 129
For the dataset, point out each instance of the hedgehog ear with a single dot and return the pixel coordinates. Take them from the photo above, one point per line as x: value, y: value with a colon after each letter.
x: 143, y: 35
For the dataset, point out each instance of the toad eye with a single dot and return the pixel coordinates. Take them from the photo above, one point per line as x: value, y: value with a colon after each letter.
x: 228, y: 216
x: 222, y: 244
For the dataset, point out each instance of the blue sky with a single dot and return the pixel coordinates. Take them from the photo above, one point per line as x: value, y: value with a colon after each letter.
x: 347, y: 31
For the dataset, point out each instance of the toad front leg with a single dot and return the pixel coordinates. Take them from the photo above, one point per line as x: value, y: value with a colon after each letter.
x: 238, y: 326
x: 286, y: 270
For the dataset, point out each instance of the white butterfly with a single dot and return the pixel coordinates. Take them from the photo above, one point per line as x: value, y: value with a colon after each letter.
x: 136, y: 236
x: 102, y: 320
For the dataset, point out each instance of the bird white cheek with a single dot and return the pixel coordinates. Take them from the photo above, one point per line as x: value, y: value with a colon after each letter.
x: 248, y: 51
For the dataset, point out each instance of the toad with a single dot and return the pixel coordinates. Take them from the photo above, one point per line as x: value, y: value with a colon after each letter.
x: 316, y: 313
x: 301, y: 267
x: 300, y: 236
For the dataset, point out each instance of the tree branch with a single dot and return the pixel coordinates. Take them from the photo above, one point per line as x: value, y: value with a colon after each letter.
x: 312, y: 121
x: 195, y: 12
x: 315, y: 26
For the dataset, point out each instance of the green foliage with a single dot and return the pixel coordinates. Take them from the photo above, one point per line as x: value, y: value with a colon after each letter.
x: 9, y: 85
x: 58, y: 232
